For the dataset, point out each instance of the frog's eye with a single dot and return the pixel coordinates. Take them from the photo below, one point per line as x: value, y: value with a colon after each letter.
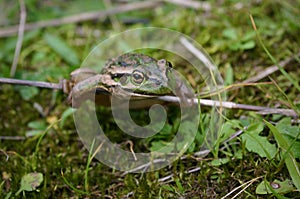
x: 137, y: 77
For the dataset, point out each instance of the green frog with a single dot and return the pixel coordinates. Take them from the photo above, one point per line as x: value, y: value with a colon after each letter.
x: 140, y: 75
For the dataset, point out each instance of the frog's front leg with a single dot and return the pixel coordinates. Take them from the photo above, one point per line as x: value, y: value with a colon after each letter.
x: 83, y: 87
x: 81, y: 74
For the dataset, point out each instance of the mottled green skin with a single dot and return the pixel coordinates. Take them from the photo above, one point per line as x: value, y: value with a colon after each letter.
x: 138, y: 73
x: 134, y: 75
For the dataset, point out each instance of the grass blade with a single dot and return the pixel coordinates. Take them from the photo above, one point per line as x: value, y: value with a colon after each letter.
x: 62, y: 48
x: 294, y: 82
x: 288, y: 156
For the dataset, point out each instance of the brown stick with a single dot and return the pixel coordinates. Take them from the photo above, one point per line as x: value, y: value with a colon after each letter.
x: 20, y: 38
x: 2, y: 137
x: 268, y: 71
x: 31, y: 83
x: 231, y: 105
x: 12, y: 30
x: 114, y: 20
x: 191, y: 4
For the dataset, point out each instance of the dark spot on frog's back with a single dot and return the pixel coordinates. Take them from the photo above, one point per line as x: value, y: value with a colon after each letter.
x: 126, y: 60
x: 146, y: 59
x: 131, y: 60
x: 124, y: 64
x: 140, y: 58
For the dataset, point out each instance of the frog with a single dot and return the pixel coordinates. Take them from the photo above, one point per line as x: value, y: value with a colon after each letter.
x: 134, y: 74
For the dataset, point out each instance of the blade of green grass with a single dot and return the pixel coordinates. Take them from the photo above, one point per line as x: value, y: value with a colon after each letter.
x: 71, y: 186
x: 286, y: 97
x: 294, y: 82
x: 288, y: 156
x: 62, y: 48
x: 86, y: 177
x: 35, y: 154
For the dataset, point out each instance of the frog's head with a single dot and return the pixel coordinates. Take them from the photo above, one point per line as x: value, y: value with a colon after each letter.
x: 139, y: 73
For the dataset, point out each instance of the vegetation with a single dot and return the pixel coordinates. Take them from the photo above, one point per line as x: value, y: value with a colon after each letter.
x: 254, y: 156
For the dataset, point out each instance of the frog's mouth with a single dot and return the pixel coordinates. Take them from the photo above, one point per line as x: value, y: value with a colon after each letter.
x: 119, y: 91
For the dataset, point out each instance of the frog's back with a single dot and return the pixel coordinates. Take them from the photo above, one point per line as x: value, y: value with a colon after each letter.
x: 130, y: 60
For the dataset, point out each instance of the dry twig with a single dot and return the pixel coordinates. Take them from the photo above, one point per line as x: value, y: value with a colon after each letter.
x: 191, y: 4
x: 243, y: 186
x: 9, y: 31
x: 20, y: 37
x: 231, y: 105
x: 3, y: 137
x: 114, y: 20
x: 205, y: 102
x: 268, y: 71
x: 195, y: 51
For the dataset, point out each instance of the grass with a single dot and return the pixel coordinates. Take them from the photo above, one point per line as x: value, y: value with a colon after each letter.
x: 267, y: 150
